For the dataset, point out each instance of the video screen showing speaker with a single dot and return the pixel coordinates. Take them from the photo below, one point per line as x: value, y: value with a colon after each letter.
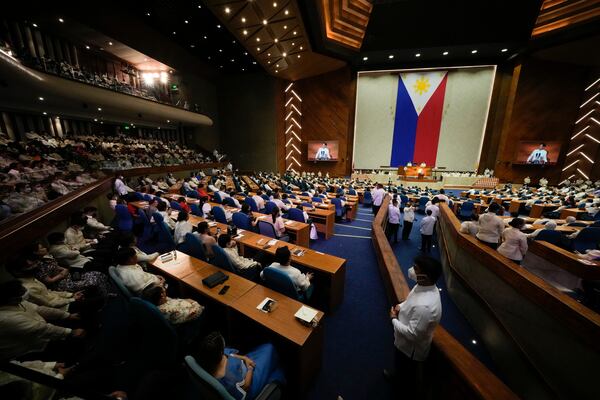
x: 538, y: 153
x: 323, y: 150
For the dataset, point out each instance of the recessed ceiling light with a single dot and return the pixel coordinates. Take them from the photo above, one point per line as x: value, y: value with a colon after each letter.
x: 45, y: 113
x: 365, y: 58
x: 445, y: 53
x: 474, y: 341
x: 102, y: 122
x: 258, y: 49
x: 232, y: 60
x: 199, y: 6
x: 227, y: 10
x: 286, y: 12
x: 243, y: 69
x: 293, y: 44
x: 285, y: 54
x: 61, y: 20
x: 268, y: 54
x: 243, y: 19
x: 276, y: 40
x: 220, y: 50
x: 473, y: 51
x: 391, y: 56
x: 192, y: 46
x: 87, y: 47
x: 504, y: 50
x: 219, y: 26
x: 245, y: 32
x: 277, y: 65
x: 40, y: 98
x: 265, y: 22
x: 254, y: 62
x: 110, y: 43
x: 418, y: 55
x: 168, y: 121
x: 298, y: 55
x: 274, y: 4
x: 276, y: 71
x: 220, y: 66
x: 99, y: 108
x: 301, y: 47
x: 285, y: 27
x: 209, y: 57
x: 258, y: 39
x: 148, y: 14
x: 34, y: 25
x: 205, y: 37
x: 245, y: 53
x: 186, y: 21
x: 174, y: 33
x: 295, y: 32
x: 233, y: 41
x: 102, y: 48
x: 95, y: 119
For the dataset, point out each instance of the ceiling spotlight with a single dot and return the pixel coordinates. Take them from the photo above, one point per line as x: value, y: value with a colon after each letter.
x: 186, y: 21
x: 233, y: 41
x: 285, y: 54
x: 301, y: 47
x: 220, y: 50
x: 243, y: 19
x: 227, y: 10
x: 61, y: 20
x: 295, y: 32
x: 293, y: 44
x: 298, y: 55
x: 418, y: 55
x: 258, y: 39
x: 95, y: 119
x: 245, y: 32
x: 473, y: 51
x: 245, y: 53
x: 258, y: 49
x: 174, y: 33
x: 265, y: 22
x: 243, y: 69
x: 504, y: 50
x: 102, y: 48
x: 34, y: 25
x: 168, y: 121
x: 391, y: 56
x: 110, y: 43
x: 286, y: 12
x: 87, y: 47
x: 274, y: 4
x: 148, y: 14
x: 474, y: 341
x: 268, y: 54
x: 102, y: 122
x: 365, y: 58
x: 209, y: 57
x: 232, y: 60
x: 199, y: 6
x: 277, y: 65
x: 45, y: 113
x: 40, y: 98
x: 445, y: 53
x: 192, y: 46
x: 285, y: 27
x: 276, y: 71
x: 254, y: 62
x: 205, y: 37
x: 219, y: 26
x: 99, y: 108
x: 276, y: 40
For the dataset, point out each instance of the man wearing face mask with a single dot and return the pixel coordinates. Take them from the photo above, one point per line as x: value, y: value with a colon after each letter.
x: 23, y: 326
x: 414, y: 321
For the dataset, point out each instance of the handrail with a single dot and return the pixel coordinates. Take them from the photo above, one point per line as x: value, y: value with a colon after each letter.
x: 164, y: 169
x: 480, y: 380
x: 565, y: 259
x: 580, y: 320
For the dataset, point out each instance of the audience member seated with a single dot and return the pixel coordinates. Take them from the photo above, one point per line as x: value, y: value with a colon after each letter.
x: 182, y: 227
x: 470, y: 227
x: 206, y: 238
x: 24, y: 326
x: 514, y: 242
x: 247, y: 266
x: 283, y: 259
x: 176, y: 311
x: 242, y: 376
x: 128, y: 240
x: 276, y: 220
x: 132, y: 274
x: 66, y: 255
x: 550, y: 226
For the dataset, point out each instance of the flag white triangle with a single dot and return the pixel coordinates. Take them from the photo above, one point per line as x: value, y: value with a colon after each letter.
x: 420, y: 86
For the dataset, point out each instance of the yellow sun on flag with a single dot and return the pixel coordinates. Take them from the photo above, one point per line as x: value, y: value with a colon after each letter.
x: 422, y: 85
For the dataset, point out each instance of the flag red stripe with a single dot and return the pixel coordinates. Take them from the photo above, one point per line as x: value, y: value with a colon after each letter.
x: 428, y: 127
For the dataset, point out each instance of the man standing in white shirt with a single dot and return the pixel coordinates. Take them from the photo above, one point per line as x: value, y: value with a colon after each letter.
x: 490, y: 227
x: 409, y: 219
x: 414, y: 321
x: 323, y: 153
x: 435, y: 209
x: 427, y: 228
x: 393, y: 220
x: 539, y: 155
x: 378, y: 195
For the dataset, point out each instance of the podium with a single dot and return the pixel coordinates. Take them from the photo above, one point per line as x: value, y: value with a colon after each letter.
x: 415, y: 172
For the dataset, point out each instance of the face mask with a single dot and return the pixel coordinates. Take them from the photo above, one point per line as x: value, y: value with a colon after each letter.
x: 412, y: 275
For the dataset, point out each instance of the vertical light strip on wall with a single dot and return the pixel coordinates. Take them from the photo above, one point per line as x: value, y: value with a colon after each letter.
x: 293, y: 129
x: 584, y: 138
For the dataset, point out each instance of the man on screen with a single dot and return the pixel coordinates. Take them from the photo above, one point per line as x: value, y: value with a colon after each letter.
x: 539, y: 155
x: 323, y: 153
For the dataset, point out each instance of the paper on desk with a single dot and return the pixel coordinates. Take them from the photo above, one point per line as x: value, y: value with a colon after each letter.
x: 288, y: 222
x: 306, y: 314
x: 212, y: 224
x: 262, y: 304
x: 272, y: 242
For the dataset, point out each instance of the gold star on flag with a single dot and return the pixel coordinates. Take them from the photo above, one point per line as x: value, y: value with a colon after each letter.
x: 422, y: 85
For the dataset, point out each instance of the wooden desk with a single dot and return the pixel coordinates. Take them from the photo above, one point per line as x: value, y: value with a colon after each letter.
x: 302, y: 345
x: 253, y: 186
x: 139, y: 204
x: 559, y: 228
x: 537, y: 210
x: 588, y: 270
x: 571, y: 212
x: 324, y: 220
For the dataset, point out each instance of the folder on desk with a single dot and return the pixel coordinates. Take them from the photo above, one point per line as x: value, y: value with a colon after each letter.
x: 306, y: 314
x: 215, y: 279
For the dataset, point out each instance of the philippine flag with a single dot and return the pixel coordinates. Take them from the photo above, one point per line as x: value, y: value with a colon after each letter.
x: 419, y: 110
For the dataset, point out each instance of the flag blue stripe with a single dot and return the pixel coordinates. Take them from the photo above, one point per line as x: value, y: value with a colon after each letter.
x: 405, y: 128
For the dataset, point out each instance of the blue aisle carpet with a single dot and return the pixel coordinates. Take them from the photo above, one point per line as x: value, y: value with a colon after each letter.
x: 358, y: 335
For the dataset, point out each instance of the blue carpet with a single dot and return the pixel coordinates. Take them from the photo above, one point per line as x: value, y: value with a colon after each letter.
x: 358, y: 335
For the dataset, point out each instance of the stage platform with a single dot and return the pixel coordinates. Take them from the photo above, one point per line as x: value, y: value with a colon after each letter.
x: 446, y: 182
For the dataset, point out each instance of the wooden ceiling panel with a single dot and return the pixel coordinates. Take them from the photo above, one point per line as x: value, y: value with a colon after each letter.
x: 273, y: 31
x: 346, y: 21
x: 559, y: 14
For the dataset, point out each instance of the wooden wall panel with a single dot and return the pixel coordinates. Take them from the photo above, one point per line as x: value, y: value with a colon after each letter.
x: 545, y: 107
x: 328, y: 104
